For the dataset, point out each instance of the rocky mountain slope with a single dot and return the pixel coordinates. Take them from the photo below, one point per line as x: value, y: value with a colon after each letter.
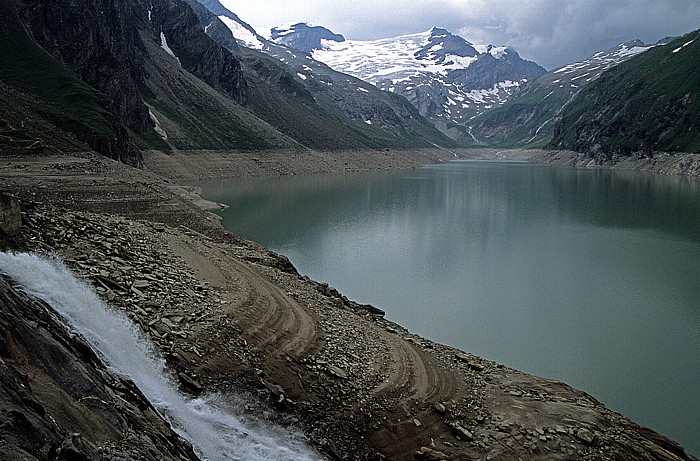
x: 127, y: 75
x: 303, y: 37
x: 447, y: 78
x: 647, y: 104
x: 314, y: 96
x: 529, y: 116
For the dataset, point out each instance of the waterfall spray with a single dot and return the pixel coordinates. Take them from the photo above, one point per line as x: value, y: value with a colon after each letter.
x: 213, y: 429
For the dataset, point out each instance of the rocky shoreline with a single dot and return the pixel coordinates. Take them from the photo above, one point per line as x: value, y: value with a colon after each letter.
x: 230, y: 316
x: 660, y: 163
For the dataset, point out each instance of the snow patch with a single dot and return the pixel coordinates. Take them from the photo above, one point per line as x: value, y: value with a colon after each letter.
x: 240, y: 33
x: 302, y: 76
x: 164, y: 45
x: 683, y: 46
x: 159, y: 128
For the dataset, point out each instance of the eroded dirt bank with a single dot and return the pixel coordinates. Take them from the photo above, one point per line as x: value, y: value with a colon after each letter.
x: 230, y: 315
x: 199, y: 165
x: 661, y: 163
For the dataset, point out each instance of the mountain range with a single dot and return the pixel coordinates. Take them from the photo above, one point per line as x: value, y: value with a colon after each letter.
x: 529, y: 116
x: 125, y: 76
x: 446, y: 77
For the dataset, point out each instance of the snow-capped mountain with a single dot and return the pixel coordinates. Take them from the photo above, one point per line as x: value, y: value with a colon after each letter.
x: 579, y: 73
x: 529, y: 116
x: 303, y: 37
x: 448, y: 79
x: 307, y: 99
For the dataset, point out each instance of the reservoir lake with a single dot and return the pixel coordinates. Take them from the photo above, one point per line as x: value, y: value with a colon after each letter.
x: 587, y: 276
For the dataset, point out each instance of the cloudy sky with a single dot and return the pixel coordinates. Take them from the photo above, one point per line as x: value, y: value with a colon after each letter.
x: 550, y: 32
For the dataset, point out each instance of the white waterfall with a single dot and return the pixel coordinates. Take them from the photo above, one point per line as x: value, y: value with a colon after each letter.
x: 208, y: 423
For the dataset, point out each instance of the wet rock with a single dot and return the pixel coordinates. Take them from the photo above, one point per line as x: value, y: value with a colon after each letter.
x: 189, y: 384
x: 106, y: 407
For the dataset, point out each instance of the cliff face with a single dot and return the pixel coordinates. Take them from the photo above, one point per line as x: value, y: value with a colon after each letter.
x: 101, y: 46
x: 198, y: 53
x: 59, y: 402
x: 106, y: 46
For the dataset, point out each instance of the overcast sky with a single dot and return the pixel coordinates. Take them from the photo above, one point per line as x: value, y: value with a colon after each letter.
x: 550, y: 32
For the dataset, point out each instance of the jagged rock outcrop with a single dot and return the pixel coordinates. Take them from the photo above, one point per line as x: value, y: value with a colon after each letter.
x: 197, y: 52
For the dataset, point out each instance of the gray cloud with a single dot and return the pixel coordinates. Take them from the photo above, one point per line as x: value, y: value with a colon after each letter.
x: 550, y: 32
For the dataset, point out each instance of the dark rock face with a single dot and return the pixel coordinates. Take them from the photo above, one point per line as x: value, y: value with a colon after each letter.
x: 104, y: 46
x: 442, y: 44
x: 304, y: 37
x: 487, y: 70
x: 197, y: 52
x: 101, y: 45
x: 57, y: 400
x: 208, y: 12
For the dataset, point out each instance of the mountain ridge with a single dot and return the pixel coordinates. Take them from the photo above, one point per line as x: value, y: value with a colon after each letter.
x: 648, y: 104
x: 528, y: 117
x: 374, y: 118
x: 153, y: 75
x: 446, y: 77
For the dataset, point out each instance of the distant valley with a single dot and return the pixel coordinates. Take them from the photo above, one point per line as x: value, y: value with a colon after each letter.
x: 190, y: 74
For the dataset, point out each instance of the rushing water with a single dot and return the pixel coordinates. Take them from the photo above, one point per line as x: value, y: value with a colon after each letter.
x: 587, y: 276
x: 209, y: 423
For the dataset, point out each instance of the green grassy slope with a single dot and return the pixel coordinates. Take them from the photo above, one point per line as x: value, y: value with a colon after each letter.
x: 195, y: 116
x: 649, y: 103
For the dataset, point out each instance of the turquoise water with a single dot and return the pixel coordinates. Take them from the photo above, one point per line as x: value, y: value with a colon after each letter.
x: 591, y: 277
